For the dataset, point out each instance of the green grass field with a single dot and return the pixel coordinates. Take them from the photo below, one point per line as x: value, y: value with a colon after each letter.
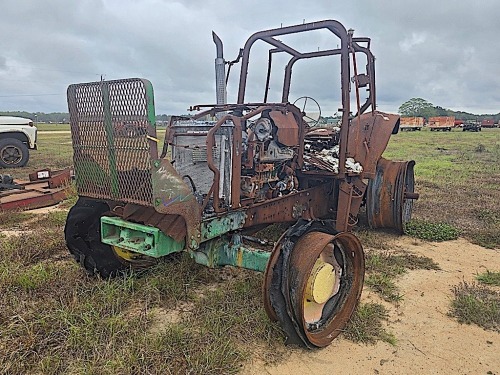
x: 458, y: 177
x: 179, y: 317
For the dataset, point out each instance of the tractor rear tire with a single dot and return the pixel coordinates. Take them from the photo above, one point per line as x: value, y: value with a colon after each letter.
x: 83, y: 239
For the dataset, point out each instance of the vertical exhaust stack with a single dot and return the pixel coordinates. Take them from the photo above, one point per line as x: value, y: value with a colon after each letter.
x: 220, y: 72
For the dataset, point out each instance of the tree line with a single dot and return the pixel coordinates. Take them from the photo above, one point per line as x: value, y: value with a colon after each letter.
x: 422, y: 108
x: 56, y: 117
x: 414, y: 107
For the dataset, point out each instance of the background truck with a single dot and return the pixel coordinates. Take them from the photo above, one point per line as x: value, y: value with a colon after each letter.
x: 212, y: 185
x: 17, y: 137
x: 443, y: 123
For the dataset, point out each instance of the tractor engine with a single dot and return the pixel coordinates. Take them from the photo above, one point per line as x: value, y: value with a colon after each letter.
x: 267, y: 171
x: 269, y: 148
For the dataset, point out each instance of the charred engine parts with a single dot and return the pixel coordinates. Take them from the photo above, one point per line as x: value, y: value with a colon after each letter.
x: 232, y: 169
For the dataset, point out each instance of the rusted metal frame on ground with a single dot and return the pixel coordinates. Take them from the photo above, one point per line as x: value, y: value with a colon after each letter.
x: 34, y: 198
x: 38, y: 192
x: 55, y: 179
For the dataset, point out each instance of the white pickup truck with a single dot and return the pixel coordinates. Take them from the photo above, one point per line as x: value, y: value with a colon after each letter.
x: 17, y: 137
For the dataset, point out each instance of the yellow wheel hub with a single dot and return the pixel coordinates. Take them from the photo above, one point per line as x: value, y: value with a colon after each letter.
x: 321, y: 282
x: 123, y: 253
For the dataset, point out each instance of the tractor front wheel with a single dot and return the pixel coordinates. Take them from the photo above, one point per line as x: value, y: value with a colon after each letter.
x: 83, y: 238
x: 313, y: 283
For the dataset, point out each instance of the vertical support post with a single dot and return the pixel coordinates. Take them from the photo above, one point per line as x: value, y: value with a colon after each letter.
x: 110, y: 138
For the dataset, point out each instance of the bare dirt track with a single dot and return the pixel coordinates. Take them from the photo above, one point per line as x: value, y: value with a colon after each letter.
x: 428, y: 340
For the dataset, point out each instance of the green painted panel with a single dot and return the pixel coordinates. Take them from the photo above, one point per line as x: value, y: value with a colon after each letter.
x: 137, y: 237
x: 230, y: 251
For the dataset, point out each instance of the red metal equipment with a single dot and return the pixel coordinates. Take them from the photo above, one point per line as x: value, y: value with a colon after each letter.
x: 44, y: 188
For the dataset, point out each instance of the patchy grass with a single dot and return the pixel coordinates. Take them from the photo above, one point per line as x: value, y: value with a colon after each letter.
x: 476, y: 304
x: 12, y: 219
x: 457, y: 175
x: 32, y: 247
x: 489, y: 278
x: 430, y: 231
x: 382, y: 270
x: 56, y: 319
x: 367, y: 325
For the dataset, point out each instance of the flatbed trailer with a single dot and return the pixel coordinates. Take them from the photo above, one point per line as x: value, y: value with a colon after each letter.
x: 443, y: 123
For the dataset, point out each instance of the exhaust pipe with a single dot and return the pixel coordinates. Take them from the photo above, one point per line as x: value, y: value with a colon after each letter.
x: 220, y: 72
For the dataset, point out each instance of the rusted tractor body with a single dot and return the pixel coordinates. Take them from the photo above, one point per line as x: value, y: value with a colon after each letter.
x: 214, y: 183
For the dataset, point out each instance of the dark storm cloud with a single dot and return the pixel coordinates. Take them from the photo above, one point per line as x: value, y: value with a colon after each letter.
x: 441, y: 51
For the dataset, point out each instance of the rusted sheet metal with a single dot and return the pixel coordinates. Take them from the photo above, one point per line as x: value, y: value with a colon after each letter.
x: 46, y: 188
x: 390, y: 195
x: 288, y: 129
x: 368, y: 137
x: 172, y: 225
x: 350, y: 197
x: 172, y: 196
x: 310, y: 203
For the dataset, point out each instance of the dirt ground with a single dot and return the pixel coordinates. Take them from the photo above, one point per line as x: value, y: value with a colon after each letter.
x: 428, y: 340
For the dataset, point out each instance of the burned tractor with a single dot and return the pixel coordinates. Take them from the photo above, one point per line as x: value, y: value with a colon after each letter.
x: 230, y: 170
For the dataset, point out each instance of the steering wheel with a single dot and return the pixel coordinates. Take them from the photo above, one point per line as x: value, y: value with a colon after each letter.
x: 311, y: 111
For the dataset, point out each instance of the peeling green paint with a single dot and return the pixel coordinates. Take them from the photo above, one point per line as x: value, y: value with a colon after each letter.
x: 231, y: 251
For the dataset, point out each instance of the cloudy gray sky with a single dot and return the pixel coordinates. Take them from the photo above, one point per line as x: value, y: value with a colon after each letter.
x: 443, y: 51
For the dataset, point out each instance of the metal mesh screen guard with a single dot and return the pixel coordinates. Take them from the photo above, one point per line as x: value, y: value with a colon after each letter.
x: 114, y: 139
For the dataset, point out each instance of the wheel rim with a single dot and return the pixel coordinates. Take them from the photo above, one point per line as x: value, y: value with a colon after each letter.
x: 313, y: 283
x: 330, y: 269
x: 132, y: 259
x: 390, y: 195
x: 11, y: 155
x: 322, y: 284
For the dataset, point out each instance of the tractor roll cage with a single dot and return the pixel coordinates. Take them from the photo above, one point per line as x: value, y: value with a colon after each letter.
x: 348, y: 45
